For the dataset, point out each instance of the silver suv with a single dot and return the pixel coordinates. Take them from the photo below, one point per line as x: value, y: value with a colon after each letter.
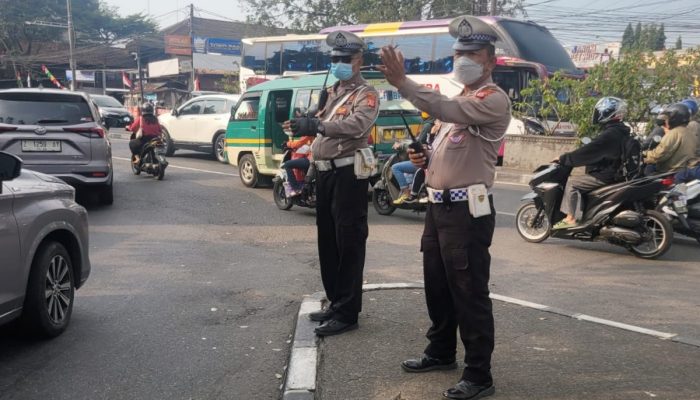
x: 43, y: 248
x: 59, y: 133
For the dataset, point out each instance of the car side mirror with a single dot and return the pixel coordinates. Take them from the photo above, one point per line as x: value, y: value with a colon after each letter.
x: 107, y: 122
x: 10, y: 167
x: 174, y: 112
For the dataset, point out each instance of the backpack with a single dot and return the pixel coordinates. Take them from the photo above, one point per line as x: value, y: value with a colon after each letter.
x: 630, y: 160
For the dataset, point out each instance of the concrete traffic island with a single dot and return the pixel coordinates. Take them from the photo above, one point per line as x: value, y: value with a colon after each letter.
x: 541, y: 353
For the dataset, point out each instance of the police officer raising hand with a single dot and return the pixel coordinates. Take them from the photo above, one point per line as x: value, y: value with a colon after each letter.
x: 460, y: 220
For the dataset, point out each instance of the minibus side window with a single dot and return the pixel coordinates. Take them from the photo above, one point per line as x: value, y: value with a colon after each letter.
x: 247, y: 109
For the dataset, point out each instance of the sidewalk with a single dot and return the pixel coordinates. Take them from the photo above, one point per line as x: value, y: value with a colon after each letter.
x: 538, y: 355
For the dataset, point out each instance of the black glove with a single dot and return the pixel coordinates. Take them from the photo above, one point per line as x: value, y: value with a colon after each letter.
x: 305, y: 126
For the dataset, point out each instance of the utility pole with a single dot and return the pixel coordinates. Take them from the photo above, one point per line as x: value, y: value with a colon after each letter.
x: 71, y: 60
x: 494, y: 8
x: 192, y: 77
x: 138, y: 65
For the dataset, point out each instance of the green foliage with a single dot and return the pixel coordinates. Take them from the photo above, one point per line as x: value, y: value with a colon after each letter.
x: 94, y: 22
x: 629, y: 78
x: 650, y: 37
x: 229, y: 84
x: 314, y: 15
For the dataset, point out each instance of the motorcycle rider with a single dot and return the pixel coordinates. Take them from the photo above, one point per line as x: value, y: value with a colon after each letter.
x: 410, y: 194
x: 677, y: 148
x: 300, y: 160
x: 693, y: 125
x: 147, y: 122
x: 602, y: 158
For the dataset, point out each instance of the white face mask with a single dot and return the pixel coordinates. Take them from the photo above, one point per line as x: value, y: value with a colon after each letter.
x: 467, y: 71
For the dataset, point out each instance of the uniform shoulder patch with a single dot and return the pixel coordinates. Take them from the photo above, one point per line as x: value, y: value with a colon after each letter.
x: 484, y: 93
x: 371, y: 100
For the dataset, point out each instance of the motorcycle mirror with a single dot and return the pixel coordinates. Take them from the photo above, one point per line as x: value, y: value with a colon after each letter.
x: 657, y: 138
x: 586, y: 140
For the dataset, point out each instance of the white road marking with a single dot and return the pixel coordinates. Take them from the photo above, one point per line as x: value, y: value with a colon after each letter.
x: 512, y: 183
x: 186, y: 168
x: 505, y: 213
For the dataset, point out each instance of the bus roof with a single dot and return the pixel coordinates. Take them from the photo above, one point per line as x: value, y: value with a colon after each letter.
x: 522, y: 39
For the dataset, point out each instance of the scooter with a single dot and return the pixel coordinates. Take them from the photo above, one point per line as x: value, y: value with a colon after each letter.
x: 307, y: 198
x: 622, y: 214
x: 152, y: 159
x: 681, y: 205
x: 386, y: 190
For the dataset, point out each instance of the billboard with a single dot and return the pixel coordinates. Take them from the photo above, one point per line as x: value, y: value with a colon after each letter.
x: 229, y: 47
x: 590, y: 55
x: 82, y: 76
x: 178, y: 44
x: 215, y: 64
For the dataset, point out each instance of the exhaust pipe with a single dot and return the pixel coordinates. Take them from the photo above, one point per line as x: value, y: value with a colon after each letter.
x: 615, y: 233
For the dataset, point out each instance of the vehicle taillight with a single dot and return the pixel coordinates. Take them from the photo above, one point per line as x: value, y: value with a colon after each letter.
x: 7, y: 129
x: 91, y: 131
x: 667, y: 181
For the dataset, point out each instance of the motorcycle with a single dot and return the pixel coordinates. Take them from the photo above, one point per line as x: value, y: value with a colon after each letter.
x: 152, y: 159
x: 622, y: 214
x: 386, y: 190
x: 681, y: 205
x: 307, y: 198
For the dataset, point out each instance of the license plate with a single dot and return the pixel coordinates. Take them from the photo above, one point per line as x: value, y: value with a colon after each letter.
x: 41, y: 145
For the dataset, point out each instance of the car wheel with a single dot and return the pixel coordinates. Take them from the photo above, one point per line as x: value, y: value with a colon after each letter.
x: 48, y: 304
x: 167, y: 142
x: 248, y: 171
x: 106, y: 194
x: 220, y: 148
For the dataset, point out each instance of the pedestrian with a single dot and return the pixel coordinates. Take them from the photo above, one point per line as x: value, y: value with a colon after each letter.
x: 460, y: 220
x: 343, y: 126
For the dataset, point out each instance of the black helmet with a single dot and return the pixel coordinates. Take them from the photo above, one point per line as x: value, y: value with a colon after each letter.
x: 608, y: 109
x: 146, y: 108
x: 676, y: 114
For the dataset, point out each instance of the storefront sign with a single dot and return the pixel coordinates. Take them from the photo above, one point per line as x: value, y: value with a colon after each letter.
x: 178, y: 44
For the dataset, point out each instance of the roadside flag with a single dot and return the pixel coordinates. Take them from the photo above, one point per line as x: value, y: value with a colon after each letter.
x: 196, y: 83
x: 52, y: 78
x: 126, y: 81
x: 19, y: 79
x: 29, y: 79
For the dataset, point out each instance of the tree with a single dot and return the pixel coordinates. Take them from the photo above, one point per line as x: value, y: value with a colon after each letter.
x: 629, y: 78
x: 679, y: 43
x: 314, y: 15
x: 628, y: 38
x: 93, y: 22
x: 660, y: 42
x: 637, y: 36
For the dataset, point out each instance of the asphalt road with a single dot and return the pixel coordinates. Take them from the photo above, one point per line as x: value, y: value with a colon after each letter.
x: 196, y: 282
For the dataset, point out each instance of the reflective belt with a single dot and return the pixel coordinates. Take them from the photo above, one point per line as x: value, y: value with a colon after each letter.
x: 328, y: 165
x: 441, y: 196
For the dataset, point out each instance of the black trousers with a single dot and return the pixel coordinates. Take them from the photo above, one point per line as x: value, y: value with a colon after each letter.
x: 456, y: 268
x: 341, y: 220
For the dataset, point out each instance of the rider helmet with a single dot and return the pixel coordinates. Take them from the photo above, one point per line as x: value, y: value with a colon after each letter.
x: 676, y: 115
x: 692, y: 105
x: 146, y: 108
x: 609, y: 109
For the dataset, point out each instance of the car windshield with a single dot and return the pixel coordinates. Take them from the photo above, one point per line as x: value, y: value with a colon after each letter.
x: 43, y: 108
x: 106, y: 101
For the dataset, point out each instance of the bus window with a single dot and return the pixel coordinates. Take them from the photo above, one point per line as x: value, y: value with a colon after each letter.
x: 273, y: 63
x: 536, y: 44
x: 416, y: 50
x: 443, y: 54
x: 374, y: 44
x: 254, y: 57
x: 302, y: 56
x: 509, y: 81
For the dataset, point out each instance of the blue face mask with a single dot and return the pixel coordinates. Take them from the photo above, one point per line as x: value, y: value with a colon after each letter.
x: 341, y: 71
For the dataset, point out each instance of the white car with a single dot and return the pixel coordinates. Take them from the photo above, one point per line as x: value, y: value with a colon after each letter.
x: 199, y: 124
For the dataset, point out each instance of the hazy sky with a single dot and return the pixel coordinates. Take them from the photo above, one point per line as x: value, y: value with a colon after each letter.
x: 571, y: 21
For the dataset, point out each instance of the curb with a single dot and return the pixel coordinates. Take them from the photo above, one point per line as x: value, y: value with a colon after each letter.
x: 300, y: 382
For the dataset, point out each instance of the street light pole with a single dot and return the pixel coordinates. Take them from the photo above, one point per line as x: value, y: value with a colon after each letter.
x: 71, y: 60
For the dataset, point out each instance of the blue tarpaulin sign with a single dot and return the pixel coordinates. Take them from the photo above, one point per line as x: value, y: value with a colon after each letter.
x: 224, y: 46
